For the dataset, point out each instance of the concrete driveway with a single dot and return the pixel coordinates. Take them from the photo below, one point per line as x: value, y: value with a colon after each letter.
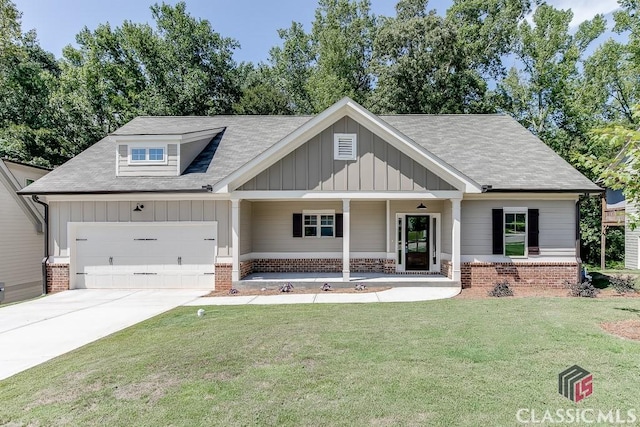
x: 35, y: 331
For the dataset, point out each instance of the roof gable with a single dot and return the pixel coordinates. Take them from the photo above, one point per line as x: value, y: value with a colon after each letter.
x: 375, y: 166
x: 12, y: 186
x: 347, y: 107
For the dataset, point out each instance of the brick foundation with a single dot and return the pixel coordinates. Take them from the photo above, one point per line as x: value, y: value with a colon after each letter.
x: 446, y: 269
x: 542, y: 274
x: 223, y: 277
x: 389, y: 266
x: 57, y: 278
x: 246, y: 268
x: 321, y: 265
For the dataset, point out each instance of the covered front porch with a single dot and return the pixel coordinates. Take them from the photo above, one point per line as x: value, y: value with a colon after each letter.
x: 404, y: 239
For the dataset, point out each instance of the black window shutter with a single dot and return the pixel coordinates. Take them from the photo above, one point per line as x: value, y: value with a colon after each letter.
x: 297, y: 225
x: 533, y: 230
x: 498, y: 232
x: 338, y: 225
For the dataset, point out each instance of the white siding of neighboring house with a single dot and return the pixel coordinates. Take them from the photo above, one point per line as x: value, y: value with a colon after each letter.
x: 21, y: 250
x: 557, y: 227
x: 631, y: 238
x: 60, y: 213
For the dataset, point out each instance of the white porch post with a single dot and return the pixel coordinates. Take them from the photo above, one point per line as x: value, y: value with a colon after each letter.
x: 235, y: 240
x: 455, y: 239
x: 346, y: 238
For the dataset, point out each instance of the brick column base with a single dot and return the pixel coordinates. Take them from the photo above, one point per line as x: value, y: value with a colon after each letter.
x: 57, y: 278
x: 446, y: 268
x: 246, y: 268
x: 223, y: 277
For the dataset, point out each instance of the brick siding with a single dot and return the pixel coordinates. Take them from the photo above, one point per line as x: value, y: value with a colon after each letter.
x: 542, y: 274
x: 320, y: 265
x: 446, y: 269
x: 223, y: 277
x: 246, y: 268
x: 57, y: 278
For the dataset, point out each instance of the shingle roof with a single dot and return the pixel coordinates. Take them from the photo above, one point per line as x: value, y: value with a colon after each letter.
x: 489, y: 149
x: 492, y: 149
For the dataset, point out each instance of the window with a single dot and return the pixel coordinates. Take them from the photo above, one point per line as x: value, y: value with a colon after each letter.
x: 345, y: 146
x: 319, y: 225
x: 515, y: 234
x: 153, y: 155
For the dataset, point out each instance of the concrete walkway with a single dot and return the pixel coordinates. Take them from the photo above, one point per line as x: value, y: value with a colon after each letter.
x: 401, y: 294
x: 35, y: 331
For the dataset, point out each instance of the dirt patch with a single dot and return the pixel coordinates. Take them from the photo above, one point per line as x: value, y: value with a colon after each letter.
x: 629, y: 329
x: 274, y: 291
x: 151, y: 389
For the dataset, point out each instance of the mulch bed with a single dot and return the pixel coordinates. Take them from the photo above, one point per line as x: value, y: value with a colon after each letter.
x: 275, y: 291
x: 523, y: 292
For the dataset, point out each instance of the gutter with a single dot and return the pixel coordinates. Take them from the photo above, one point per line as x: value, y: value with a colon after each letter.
x: 204, y: 189
x: 490, y: 189
x: 46, y: 242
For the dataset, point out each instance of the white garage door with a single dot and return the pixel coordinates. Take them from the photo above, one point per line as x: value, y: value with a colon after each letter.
x: 145, y: 255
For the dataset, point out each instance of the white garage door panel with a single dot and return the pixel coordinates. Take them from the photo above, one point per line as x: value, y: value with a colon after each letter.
x: 145, y: 255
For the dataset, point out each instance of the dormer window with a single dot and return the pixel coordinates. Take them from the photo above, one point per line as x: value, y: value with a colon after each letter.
x: 156, y: 155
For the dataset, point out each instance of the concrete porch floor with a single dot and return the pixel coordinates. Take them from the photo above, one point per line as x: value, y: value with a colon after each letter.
x: 311, y: 280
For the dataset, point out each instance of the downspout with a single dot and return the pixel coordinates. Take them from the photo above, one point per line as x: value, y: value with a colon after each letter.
x: 578, y: 241
x: 46, y: 242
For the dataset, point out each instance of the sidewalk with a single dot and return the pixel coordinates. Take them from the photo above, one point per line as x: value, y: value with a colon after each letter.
x: 401, y: 294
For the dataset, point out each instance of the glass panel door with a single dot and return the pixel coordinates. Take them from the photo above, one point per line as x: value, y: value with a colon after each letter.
x: 417, y: 242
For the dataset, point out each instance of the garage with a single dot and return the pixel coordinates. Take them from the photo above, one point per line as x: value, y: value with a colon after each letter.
x: 141, y: 255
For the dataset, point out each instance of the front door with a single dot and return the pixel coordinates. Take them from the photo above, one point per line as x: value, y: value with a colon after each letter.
x: 416, y: 241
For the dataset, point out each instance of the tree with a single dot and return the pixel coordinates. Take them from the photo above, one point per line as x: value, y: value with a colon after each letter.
x: 260, y: 93
x: 28, y: 75
x: 539, y: 93
x: 182, y: 67
x: 291, y: 65
x: 421, y: 67
x: 342, y: 39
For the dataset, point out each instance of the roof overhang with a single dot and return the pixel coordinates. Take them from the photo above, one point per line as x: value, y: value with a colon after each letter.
x: 183, y: 138
x: 347, y: 107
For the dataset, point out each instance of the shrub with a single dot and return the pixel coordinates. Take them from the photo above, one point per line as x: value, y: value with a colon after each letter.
x: 287, y: 287
x: 360, y: 287
x: 500, y: 289
x: 584, y: 289
x: 623, y: 284
x: 325, y: 287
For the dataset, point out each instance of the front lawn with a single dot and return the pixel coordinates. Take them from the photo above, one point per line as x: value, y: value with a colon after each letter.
x: 445, y: 363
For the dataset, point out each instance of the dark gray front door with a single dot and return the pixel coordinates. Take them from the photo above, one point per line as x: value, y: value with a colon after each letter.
x: 417, y: 242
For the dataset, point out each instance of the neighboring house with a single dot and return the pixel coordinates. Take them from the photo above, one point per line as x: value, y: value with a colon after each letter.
x: 204, y: 201
x: 22, y: 225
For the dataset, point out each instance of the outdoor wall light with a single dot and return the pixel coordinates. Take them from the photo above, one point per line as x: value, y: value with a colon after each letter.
x: 421, y: 206
x: 138, y: 207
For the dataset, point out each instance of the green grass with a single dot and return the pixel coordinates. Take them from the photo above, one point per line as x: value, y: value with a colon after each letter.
x: 442, y: 363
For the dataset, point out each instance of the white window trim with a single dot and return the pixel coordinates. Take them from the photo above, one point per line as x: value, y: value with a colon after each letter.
x: 147, y: 147
x: 354, y: 146
x: 319, y: 225
x: 515, y: 210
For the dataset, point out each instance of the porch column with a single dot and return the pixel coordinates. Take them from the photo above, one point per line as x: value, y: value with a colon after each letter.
x: 455, y: 239
x: 235, y: 240
x: 346, y: 238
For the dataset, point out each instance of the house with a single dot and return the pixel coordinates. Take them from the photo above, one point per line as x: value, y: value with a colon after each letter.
x: 22, y: 224
x: 205, y: 201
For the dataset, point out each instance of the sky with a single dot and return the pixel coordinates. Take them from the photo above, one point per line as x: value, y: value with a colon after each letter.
x: 253, y: 23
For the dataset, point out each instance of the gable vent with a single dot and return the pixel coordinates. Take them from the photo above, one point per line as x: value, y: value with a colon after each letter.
x: 345, y: 146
